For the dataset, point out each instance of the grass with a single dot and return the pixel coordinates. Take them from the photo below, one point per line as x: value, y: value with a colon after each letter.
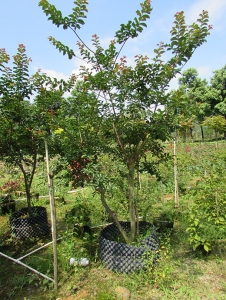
x: 181, y: 273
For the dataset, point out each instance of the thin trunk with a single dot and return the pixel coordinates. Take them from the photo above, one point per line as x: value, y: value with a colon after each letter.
x: 216, y: 138
x: 27, y: 187
x: 202, y: 133
x: 54, y: 234
x: 34, y: 164
x: 175, y: 175
x: 136, y: 206
x: 112, y: 214
x: 28, y: 194
x: 132, y: 206
x: 191, y: 134
x: 53, y: 217
x: 225, y: 131
x: 28, y: 177
x: 138, y: 181
x: 137, y: 220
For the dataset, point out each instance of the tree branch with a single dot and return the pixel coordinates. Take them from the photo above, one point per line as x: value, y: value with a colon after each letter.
x: 112, y: 214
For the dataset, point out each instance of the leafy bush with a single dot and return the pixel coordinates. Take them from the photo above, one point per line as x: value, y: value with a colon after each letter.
x: 10, y: 186
x: 207, y: 210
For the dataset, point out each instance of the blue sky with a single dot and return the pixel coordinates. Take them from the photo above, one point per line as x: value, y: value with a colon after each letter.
x: 24, y: 22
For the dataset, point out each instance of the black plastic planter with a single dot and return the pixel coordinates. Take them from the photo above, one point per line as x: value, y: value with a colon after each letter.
x: 24, y: 227
x: 120, y: 257
x: 8, y: 207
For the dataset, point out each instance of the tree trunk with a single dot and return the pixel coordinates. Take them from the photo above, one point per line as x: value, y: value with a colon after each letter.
x: 176, y: 190
x: 28, y: 194
x: 191, y: 134
x: 202, y: 133
x: 112, y: 214
x: 27, y: 184
x: 136, y: 206
x: 216, y: 138
x: 132, y: 206
x: 28, y: 176
x: 225, y: 131
x: 53, y: 216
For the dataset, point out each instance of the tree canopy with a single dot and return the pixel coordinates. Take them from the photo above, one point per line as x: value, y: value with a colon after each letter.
x: 130, y: 99
x: 24, y: 121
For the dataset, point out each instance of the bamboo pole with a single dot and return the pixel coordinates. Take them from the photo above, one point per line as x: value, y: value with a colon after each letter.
x: 53, y: 217
x: 38, y: 249
x: 22, y: 264
x: 176, y: 192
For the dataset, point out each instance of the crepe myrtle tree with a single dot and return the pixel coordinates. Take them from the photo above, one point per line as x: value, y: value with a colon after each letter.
x: 131, y: 99
x: 78, y: 133
x: 24, y: 123
x: 75, y: 134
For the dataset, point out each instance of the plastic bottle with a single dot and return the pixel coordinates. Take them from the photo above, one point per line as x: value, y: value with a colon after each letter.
x: 83, y: 262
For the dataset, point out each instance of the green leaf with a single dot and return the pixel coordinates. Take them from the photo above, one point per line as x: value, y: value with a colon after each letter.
x: 206, y: 247
x: 196, y: 222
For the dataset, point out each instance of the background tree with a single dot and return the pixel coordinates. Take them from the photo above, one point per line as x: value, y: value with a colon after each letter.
x: 23, y: 122
x: 218, y: 100
x: 198, y: 94
x: 130, y: 98
x: 216, y: 123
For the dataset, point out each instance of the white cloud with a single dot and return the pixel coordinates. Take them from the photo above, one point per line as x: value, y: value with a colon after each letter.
x: 174, y: 83
x: 55, y: 74
x: 52, y: 73
x: 204, y: 71
x: 216, y: 9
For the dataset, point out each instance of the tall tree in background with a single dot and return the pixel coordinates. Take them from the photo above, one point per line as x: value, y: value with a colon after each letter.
x: 217, y: 124
x: 130, y: 99
x: 218, y: 84
x: 198, y: 94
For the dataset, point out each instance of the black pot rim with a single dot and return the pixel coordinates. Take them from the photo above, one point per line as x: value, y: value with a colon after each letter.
x: 23, y: 211
x: 121, y: 257
x: 30, y: 226
x: 126, y: 225
x: 12, y: 201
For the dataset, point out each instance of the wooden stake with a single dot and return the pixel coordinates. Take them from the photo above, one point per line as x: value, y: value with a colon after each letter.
x: 175, y: 174
x: 53, y: 218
